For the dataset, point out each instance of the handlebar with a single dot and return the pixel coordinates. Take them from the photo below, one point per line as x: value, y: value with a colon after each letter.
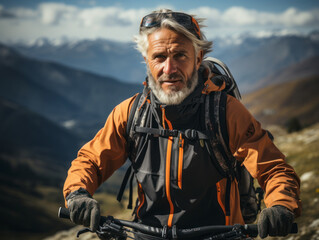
x: 174, y: 232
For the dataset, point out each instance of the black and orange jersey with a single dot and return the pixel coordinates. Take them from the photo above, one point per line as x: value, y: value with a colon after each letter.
x: 176, y: 180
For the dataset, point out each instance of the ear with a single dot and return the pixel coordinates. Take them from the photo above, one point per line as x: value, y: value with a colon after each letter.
x: 199, y: 59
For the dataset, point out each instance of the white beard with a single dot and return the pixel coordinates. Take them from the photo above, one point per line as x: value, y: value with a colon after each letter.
x: 172, y: 97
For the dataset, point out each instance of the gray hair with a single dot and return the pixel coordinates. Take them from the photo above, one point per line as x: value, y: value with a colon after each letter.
x: 141, y: 40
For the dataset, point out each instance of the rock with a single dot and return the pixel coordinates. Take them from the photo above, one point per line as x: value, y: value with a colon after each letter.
x: 71, y: 235
x: 307, y: 176
x: 315, y: 224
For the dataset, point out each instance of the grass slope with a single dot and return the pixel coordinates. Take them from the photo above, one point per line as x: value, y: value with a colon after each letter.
x: 302, y: 152
x: 279, y: 103
x: 301, y: 149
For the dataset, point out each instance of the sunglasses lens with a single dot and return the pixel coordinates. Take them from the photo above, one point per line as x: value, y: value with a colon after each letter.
x: 149, y: 21
x: 182, y: 19
x: 185, y: 20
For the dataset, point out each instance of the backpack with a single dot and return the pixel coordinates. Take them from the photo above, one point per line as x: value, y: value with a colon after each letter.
x: 215, y: 116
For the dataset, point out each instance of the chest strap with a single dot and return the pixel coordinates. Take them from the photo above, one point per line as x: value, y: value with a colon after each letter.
x: 129, y: 176
x: 188, y: 133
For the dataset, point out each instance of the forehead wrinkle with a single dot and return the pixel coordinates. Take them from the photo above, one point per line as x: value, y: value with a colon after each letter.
x: 170, y: 45
x: 168, y: 42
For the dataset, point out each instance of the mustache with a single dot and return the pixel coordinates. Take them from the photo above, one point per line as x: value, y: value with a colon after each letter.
x: 173, y: 76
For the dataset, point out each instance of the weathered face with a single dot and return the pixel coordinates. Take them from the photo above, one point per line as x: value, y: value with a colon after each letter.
x: 171, y: 60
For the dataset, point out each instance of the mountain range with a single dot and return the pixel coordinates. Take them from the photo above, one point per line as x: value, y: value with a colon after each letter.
x: 270, y: 56
x: 34, y: 155
x: 62, y: 94
x: 48, y: 110
x: 123, y: 62
x: 103, y: 57
x: 289, y: 93
x: 303, y: 69
x: 280, y: 103
x: 25, y: 134
x: 80, y: 101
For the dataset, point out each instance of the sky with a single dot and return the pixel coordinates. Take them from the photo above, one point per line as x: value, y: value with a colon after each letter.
x: 59, y: 21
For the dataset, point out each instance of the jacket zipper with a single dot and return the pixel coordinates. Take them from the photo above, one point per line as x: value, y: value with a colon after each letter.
x: 180, y: 160
x: 168, y: 169
x: 141, y: 199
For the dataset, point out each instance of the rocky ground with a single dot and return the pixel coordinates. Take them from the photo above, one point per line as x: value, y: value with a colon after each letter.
x: 302, y: 152
x: 71, y: 233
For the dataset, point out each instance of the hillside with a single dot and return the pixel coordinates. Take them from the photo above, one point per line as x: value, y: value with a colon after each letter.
x: 279, y: 103
x: 301, y: 149
x: 27, y: 135
x: 304, y: 69
x: 34, y: 156
x: 47, y: 110
x: 122, y: 61
x: 103, y: 57
x: 60, y: 93
x: 269, y: 56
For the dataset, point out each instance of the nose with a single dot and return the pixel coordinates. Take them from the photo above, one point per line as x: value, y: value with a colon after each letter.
x: 169, y: 66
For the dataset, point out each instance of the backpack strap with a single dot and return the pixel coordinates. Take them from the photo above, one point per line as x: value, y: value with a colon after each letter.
x: 216, y: 116
x: 215, y: 119
x: 136, y: 118
x: 129, y: 175
x: 221, y: 126
x: 132, y: 113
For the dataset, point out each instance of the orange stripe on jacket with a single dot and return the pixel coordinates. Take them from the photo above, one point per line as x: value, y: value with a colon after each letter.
x: 168, y: 170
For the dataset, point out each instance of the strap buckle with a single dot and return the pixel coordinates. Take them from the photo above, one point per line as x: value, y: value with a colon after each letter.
x: 191, y: 134
x: 168, y: 133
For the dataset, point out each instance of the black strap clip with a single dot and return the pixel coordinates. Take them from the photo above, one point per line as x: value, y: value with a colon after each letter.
x: 174, y: 232
x: 165, y: 232
x: 168, y: 133
x: 191, y: 134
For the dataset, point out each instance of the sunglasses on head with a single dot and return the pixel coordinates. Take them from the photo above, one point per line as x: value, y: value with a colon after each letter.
x: 187, y: 21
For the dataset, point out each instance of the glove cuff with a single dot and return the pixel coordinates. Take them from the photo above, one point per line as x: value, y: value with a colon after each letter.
x: 81, y: 192
x: 283, y: 207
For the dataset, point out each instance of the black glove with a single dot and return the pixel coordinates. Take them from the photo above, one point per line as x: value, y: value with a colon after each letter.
x: 275, y: 221
x: 84, y: 209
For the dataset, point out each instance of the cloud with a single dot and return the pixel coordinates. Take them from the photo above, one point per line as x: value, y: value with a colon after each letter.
x: 98, y: 17
x: 56, y: 13
x: 239, y: 16
x: 59, y: 20
x: 238, y: 20
x: 5, y: 14
x: 103, y: 17
x: 293, y: 17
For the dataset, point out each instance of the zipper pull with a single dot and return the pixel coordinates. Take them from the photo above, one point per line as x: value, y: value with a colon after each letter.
x: 181, y: 142
x: 163, y: 116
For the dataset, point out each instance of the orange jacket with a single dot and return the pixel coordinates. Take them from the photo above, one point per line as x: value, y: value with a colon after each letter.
x: 248, y: 142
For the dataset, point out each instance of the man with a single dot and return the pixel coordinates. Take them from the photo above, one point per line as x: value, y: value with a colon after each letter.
x: 177, y: 182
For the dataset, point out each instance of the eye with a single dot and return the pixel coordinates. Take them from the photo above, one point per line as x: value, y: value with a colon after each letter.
x: 180, y: 55
x: 160, y: 57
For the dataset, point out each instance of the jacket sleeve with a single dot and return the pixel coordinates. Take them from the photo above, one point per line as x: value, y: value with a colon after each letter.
x: 99, y: 158
x: 251, y: 145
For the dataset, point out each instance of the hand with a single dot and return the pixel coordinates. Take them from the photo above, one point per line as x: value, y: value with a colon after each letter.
x: 275, y: 221
x: 84, y: 209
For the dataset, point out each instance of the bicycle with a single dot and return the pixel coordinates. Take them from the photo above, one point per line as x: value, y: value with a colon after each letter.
x: 112, y: 228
